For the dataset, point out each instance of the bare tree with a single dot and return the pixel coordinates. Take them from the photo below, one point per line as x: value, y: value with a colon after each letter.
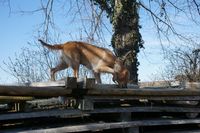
x: 184, y: 64
x: 124, y: 16
x: 33, y: 64
x: 28, y: 66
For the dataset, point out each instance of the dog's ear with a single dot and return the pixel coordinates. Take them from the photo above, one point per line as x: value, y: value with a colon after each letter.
x: 118, y: 65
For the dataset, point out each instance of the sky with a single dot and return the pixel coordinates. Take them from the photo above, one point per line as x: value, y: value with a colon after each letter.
x: 16, y: 29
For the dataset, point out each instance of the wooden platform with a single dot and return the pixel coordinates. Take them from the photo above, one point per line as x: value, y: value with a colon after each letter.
x: 101, y: 107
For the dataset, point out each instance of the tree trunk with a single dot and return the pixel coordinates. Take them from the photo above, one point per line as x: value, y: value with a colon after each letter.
x: 126, y: 35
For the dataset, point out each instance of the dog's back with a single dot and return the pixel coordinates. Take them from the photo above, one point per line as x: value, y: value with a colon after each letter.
x: 88, y: 55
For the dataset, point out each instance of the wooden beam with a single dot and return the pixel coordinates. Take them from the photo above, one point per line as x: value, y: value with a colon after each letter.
x: 72, y: 113
x: 144, y: 92
x: 112, y: 125
x: 69, y: 113
x: 60, y: 83
x: 61, y: 91
x: 6, y: 99
x: 146, y: 97
x: 33, y: 91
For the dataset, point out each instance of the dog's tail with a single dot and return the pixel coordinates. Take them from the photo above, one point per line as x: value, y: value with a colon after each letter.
x: 52, y: 47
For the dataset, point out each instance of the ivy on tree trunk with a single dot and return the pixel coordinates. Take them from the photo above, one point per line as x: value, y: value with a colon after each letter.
x: 124, y: 17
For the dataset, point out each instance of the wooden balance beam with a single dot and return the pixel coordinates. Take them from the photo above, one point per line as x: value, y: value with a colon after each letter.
x: 87, y: 87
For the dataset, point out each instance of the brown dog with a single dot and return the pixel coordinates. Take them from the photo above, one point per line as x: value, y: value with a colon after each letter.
x: 95, y: 58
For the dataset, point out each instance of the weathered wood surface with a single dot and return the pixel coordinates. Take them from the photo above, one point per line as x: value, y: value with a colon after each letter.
x: 14, y: 98
x: 70, y: 82
x: 33, y: 91
x: 61, y: 91
x: 146, y: 97
x: 160, y: 84
x: 59, y: 83
x: 71, y: 113
x: 190, y: 89
x: 111, y: 125
x: 91, y: 81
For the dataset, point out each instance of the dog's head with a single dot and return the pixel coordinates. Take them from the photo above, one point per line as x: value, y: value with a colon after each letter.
x: 121, y: 75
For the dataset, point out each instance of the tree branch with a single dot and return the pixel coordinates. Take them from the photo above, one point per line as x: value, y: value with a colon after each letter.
x: 197, y: 6
x: 104, y: 5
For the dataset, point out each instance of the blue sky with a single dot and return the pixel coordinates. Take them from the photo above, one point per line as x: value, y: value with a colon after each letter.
x: 16, y: 29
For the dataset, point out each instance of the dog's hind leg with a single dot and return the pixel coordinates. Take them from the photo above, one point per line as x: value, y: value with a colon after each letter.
x: 61, y: 66
x: 76, y: 71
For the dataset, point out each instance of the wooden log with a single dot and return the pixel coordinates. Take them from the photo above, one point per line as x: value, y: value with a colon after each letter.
x: 61, y: 91
x: 33, y: 91
x: 146, y: 97
x: 146, y: 109
x: 72, y: 113
x: 7, y: 99
x: 69, y: 113
x: 144, y: 92
x: 111, y: 125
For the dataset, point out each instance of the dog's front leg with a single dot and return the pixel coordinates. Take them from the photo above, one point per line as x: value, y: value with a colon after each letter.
x: 97, y: 77
x: 52, y: 72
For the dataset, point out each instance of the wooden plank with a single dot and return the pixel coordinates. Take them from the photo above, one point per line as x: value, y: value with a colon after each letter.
x: 144, y: 92
x: 71, y: 113
x: 6, y: 99
x: 62, y: 83
x: 61, y: 91
x: 146, y: 109
x: 112, y: 125
x: 33, y: 91
x: 42, y: 103
x: 155, y: 84
x: 146, y: 98
x: 57, y: 83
